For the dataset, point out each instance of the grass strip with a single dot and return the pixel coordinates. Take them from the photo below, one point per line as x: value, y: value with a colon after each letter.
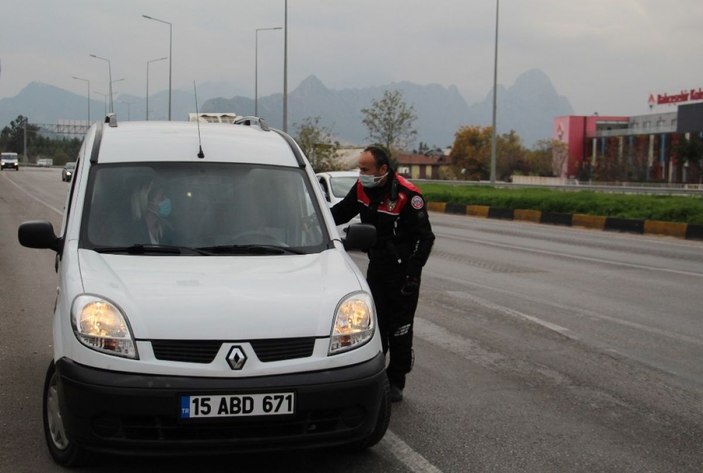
x: 685, y: 209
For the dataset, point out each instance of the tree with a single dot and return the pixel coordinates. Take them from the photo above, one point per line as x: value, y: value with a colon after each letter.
x: 511, y: 156
x: 471, y: 153
x: 12, y: 137
x: 548, y: 158
x: 422, y: 148
x: 390, y: 121
x: 316, y: 142
x: 60, y: 150
x: 690, y: 150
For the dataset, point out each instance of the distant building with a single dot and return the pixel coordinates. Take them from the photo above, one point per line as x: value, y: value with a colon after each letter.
x: 621, y: 148
x: 223, y: 117
x: 423, y: 166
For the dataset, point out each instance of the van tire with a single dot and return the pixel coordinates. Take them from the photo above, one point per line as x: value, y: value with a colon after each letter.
x: 64, y: 451
x: 382, y: 421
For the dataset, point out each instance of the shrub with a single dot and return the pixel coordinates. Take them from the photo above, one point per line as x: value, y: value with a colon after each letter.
x: 687, y: 209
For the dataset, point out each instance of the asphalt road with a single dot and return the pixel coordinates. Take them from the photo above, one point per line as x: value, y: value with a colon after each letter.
x: 538, y: 349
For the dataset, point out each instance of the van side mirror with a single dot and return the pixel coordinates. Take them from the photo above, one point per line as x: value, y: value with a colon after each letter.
x: 360, y: 236
x: 38, y: 234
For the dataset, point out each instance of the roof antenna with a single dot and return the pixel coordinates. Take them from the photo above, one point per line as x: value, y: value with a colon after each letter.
x: 201, y: 155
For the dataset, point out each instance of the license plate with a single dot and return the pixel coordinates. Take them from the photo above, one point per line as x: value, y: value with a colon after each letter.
x: 237, y: 405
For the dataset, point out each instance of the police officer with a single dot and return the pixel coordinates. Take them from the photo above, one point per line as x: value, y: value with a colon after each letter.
x: 404, y: 240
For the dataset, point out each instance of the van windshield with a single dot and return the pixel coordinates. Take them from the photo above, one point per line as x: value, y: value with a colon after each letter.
x: 210, y: 207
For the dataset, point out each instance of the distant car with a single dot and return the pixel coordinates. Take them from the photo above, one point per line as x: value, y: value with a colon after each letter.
x: 335, y: 185
x: 9, y: 160
x: 67, y: 171
x: 45, y: 162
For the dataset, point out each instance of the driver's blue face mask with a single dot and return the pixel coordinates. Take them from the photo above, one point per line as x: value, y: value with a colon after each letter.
x: 165, y: 207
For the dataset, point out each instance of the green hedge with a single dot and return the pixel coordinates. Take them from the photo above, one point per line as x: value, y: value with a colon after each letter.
x: 688, y: 209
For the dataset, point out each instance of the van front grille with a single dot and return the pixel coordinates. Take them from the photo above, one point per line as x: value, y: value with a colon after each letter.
x: 277, y: 349
x: 204, y: 351
x: 189, y: 351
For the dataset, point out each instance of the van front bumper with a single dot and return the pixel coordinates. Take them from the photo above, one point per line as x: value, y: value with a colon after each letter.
x: 129, y: 413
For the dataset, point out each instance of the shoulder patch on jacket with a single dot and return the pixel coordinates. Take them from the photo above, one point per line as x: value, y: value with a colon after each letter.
x: 417, y: 203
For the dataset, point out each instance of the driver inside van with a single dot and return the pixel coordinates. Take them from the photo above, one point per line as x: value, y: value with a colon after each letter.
x: 151, y: 208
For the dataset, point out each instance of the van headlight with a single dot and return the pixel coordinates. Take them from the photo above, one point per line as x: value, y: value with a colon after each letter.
x: 353, y: 323
x: 100, y: 325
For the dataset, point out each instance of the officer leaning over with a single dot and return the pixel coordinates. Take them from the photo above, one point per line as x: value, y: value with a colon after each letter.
x: 404, y: 241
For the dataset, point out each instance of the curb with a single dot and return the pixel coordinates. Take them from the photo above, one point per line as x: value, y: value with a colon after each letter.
x: 688, y: 231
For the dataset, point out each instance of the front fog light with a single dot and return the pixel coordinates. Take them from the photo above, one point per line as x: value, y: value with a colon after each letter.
x: 100, y: 325
x: 353, y: 323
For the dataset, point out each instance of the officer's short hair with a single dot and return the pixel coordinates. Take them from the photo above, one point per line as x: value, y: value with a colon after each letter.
x: 380, y: 155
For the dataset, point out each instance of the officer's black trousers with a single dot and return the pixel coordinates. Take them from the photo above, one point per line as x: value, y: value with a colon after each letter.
x: 395, y: 316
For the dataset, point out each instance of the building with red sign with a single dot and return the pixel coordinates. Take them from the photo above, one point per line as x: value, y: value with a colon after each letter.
x: 632, y: 148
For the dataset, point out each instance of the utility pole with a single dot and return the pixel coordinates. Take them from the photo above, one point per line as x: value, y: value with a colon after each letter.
x: 285, y: 69
x: 495, y: 101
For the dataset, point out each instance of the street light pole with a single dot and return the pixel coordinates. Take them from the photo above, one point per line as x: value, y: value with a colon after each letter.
x: 86, y: 80
x: 256, y: 67
x: 285, y: 69
x: 104, y: 99
x: 129, y: 108
x: 111, y: 91
x: 109, y: 72
x: 495, y: 101
x: 170, y: 57
x: 147, y: 82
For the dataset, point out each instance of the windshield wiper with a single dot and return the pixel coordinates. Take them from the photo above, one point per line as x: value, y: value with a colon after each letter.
x: 142, y: 249
x: 249, y: 250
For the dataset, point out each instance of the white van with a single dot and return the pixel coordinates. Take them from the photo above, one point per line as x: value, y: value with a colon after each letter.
x: 206, y: 301
x: 9, y: 160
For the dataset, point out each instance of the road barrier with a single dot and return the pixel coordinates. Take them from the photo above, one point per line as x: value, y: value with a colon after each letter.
x: 655, y: 227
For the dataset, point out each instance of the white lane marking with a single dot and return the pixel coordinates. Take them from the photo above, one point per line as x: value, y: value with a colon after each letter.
x: 569, y: 309
x: 465, y: 347
x: 58, y: 211
x: 406, y: 455
x: 571, y: 256
x: 513, y: 313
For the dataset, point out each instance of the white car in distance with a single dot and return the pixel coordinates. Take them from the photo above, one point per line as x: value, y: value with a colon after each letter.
x: 335, y: 186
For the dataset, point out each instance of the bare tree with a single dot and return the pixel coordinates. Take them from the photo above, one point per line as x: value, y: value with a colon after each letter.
x: 390, y: 121
x: 316, y: 142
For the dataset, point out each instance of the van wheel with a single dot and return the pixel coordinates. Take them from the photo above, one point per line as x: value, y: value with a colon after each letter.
x: 62, y: 449
x: 382, y: 421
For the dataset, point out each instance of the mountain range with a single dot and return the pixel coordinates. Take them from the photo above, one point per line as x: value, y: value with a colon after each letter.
x: 528, y: 107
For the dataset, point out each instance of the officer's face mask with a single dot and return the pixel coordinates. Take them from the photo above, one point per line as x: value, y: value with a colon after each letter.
x: 371, y: 180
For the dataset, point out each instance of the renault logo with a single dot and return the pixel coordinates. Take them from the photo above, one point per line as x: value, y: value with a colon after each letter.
x: 236, y: 358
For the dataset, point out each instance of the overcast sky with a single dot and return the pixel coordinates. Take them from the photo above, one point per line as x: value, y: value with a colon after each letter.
x: 605, y: 56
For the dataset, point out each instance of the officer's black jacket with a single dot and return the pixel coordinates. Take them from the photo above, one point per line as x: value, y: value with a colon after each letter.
x: 399, y: 213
